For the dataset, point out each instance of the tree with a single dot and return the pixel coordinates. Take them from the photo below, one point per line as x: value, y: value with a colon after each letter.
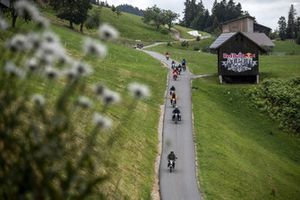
x: 55, y: 4
x: 298, y: 40
x: 169, y: 17
x: 282, y: 28
x: 93, y: 20
x: 113, y: 8
x: 291, y: 25
x: 154, y: 15
x: 297, y: 29
x: 75, y: 11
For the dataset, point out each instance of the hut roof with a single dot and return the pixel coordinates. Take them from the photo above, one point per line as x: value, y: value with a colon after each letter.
x: 237, y: 19
x: 260, y: 39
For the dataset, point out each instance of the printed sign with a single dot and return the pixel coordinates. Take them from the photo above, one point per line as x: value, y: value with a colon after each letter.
x: 239, y: 62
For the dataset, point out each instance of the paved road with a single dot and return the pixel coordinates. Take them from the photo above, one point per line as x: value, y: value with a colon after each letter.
x: 180, y: 184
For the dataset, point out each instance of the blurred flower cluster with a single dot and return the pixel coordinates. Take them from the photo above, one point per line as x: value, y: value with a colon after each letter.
x: 44, y: 97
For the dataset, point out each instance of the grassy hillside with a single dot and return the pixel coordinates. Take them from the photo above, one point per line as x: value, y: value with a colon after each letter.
x: 135, y: 150
x: 131, y: 27
x: 183, y: 31
x: 288, y: 47
x: 242, y: 154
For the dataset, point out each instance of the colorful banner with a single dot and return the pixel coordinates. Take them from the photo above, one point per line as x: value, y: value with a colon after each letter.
x: 239, y: 62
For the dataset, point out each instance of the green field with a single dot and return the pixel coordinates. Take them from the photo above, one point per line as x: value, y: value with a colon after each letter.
x: 286, y: 47
x: 183, y: 31
x: 135, y: 147
x: 131, y: 27
x: 242, y: 154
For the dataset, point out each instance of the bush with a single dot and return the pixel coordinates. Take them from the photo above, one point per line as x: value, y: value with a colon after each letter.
x: 169, y: 44
x: 281, y: 100
x: 196, y: 48
x: 93, y: 21
x: 164, y: 31
x: 198, y: 38
x: 185, y: 44
x: 205, y: 49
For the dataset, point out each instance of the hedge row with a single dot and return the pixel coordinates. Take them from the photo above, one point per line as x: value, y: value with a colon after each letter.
x: 281, y: 100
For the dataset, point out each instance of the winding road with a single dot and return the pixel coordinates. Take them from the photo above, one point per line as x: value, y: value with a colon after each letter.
x: 182, y: 183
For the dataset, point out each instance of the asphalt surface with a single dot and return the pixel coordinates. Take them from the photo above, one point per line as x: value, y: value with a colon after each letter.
x: 182, y: 183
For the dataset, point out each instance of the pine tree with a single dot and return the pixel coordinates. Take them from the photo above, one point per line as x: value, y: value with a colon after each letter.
x: 282, y: 28
x: 291, y: 25
x: 297, y: 29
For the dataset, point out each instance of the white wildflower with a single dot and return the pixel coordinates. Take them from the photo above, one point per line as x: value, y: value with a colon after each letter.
x: 42, y: 22
x: 110, y: 97
x: 93, y: 47
x: 12, y: 70
x: 51, y: 52
x: 24, y: 8
x: 139, y: 90
x: 84, y: 102
x: 82, y: 69
x: 45, y: 58
x: 64, y: 59
x: 3, y: 24
x: 102, y: 122
x: 70, y: 74
x: 50, y: 37
x: 34, y: 39
x: 108, y: 32
x: 99, y: 89
x: 51, y: 73
x: 38, y: 100
x: 18, y: 43
x: 32, y: 64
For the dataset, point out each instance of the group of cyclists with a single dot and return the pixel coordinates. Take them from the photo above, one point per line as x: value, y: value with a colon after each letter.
x: 176, y: 70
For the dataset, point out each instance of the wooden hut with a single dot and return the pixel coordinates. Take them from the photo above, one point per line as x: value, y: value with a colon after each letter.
x: 238, y: 56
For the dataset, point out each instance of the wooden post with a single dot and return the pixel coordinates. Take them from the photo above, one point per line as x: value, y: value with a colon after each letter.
x: 221, y: 79
x: 257, y: 79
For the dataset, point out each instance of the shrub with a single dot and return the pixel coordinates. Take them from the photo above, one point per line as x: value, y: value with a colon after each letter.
x: 164, y: 31
x: 196, y: 48
x: 185, y: 44
x: 93, y: 21
x: 169, y: 44
x: 198, y: 38
x: 205, y: 49
x: 281, y: 100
